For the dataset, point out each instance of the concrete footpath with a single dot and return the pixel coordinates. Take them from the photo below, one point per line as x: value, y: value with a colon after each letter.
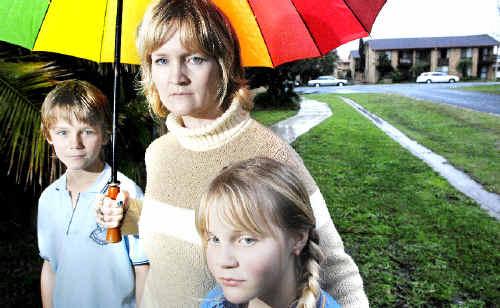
x: 313, y: 112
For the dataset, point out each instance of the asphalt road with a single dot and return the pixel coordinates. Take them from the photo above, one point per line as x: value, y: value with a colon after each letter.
x: 437, y: 92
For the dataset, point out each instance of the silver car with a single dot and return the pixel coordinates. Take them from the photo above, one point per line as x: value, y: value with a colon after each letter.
x: 326, y: 81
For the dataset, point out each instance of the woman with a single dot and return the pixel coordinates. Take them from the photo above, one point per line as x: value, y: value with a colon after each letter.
x: 191, y: 70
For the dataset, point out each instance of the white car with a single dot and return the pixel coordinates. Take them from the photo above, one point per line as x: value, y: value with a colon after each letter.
x: 326, y: 81
x: 430, y: 77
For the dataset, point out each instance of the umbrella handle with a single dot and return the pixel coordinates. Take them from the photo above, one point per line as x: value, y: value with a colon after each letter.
x: 113, y: 235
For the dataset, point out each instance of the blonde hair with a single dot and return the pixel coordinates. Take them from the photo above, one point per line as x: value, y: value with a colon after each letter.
x: 79, y: 100
x: 256, y: 194
x: 203, y: 28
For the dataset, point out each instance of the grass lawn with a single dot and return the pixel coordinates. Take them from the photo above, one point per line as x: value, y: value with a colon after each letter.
x: 470, y: 140
x: 417, y: 241
x: 269, y: 117
x: 493, y: 89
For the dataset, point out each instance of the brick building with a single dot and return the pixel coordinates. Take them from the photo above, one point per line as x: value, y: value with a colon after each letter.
x: 472, y: 55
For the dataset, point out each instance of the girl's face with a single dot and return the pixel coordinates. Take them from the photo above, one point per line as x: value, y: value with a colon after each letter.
x: 77, y: 144
x: 249, y: 267
x: 186, y: 81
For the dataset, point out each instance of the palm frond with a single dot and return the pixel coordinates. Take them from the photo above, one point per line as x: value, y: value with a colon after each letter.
x: 22, y: 89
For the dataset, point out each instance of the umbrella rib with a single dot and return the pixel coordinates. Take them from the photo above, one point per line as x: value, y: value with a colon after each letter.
x: 355, y: 15
x: 261, y: 33
x: 103, y: 30
x: 307, y: 28
x: 40, y: 28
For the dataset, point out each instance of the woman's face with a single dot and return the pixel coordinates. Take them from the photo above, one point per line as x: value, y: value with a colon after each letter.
x: 186, y: 81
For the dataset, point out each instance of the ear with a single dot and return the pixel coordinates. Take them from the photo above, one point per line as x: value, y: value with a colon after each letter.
x: 48, y: 140
x: 300, y: 241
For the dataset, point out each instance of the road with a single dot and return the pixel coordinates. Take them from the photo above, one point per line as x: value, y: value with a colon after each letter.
x: 437, y: 92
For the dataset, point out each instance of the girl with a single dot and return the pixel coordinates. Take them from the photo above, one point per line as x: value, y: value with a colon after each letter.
x: 260, y: 240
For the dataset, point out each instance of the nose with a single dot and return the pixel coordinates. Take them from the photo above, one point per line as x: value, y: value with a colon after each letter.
x: 178, y: 74
x: 227, y: 258
x: 76, y: 141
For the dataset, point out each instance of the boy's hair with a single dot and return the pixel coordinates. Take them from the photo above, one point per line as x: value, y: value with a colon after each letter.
x: 258, y: 195
x: 203, y: 28
x: 76, y: 100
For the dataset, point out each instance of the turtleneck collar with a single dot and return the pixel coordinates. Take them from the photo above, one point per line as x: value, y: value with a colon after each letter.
x: 223, y: 129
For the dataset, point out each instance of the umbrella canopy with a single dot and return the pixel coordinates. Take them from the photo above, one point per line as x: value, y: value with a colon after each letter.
x: 270, y: 32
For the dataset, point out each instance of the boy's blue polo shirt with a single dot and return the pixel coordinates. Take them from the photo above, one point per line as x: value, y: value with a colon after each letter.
x: 87, y: 274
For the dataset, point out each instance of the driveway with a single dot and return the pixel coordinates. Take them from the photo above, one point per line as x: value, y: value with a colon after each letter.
x: 436, y: 92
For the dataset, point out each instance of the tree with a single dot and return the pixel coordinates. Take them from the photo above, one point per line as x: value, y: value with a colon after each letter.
x: 360, y: 65
x: 384, y: 66
x: 280, y: 80
x: 463, y: 67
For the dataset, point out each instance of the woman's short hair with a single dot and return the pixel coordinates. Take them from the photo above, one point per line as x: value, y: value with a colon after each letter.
x: 203, y: 28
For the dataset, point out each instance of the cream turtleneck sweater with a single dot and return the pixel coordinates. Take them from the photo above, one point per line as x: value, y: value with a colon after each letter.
x: 179, y: 166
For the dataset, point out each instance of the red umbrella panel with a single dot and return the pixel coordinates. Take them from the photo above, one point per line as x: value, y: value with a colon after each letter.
x: 279, y: 31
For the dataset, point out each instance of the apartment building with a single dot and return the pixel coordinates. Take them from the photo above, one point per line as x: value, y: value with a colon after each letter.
x: 466, y: 56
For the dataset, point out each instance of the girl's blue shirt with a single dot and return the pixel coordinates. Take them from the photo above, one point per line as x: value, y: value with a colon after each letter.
x: 215, y: 299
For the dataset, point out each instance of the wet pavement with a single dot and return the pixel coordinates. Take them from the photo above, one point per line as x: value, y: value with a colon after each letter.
x: 311, y: 113
x: 448, y: 93
x: 458, y: 179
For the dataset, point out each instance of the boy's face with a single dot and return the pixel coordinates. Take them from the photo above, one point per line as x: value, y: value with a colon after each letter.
x: 77, y: 144
x: 248, y: 266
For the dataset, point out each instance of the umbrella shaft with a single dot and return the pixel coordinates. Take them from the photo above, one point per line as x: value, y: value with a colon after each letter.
x: 116, y: 87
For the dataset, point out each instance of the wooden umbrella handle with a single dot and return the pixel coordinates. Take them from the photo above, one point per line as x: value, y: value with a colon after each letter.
x: 113, y: 235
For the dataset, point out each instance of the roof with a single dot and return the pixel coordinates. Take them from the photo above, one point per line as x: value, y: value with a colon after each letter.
x: 354, y: 54
x: 433, y: 42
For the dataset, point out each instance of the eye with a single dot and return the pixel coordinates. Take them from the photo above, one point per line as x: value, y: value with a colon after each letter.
x: 212, y: 239
x: 89, y: 132
x: 196, y: 60
x: 247, y: 240
x: 161, y: 61
x: 61, y: 132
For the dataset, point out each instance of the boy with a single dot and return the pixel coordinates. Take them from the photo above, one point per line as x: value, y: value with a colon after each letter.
x: 79, y: 269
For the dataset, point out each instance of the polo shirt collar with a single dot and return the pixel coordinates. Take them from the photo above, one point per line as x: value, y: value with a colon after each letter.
x: 100, y: 185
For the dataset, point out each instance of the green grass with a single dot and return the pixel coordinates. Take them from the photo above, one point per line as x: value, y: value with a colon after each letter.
x: 470, y: 140
x: 493, y: 89
x: 417, y: 241
x: 269, y: 117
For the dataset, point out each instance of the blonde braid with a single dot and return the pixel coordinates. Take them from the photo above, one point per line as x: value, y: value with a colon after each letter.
x: 309, y: 269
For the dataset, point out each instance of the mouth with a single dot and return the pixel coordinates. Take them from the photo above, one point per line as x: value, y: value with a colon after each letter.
x: 76, y: 156
x: 230, y: 282
x: 181, y: 94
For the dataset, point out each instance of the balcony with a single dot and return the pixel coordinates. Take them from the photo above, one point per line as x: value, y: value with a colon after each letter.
x: 487, y: 59
x: 405, y: 61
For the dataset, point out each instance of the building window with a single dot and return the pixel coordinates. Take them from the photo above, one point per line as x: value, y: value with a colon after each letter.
x: 388, y: 53
x: 443, y: 69
x: 484, y: 72
x: 405, y: 57
x: 443, y: 53
x: 466, y: 52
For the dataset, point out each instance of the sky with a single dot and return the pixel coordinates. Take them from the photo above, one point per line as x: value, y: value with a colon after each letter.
x: 427, y: 18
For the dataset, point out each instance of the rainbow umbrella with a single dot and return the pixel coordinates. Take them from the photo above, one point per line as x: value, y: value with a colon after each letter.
x: 271, y: 32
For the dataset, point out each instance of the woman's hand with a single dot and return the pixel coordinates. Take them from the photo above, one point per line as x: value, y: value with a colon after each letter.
x: 109, y: 213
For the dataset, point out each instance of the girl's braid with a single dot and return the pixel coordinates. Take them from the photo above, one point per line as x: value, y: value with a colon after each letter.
x: 311, y: 258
